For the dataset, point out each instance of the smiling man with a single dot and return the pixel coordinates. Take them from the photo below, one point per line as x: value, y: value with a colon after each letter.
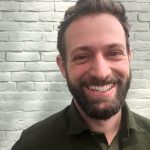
x: 95, y: 61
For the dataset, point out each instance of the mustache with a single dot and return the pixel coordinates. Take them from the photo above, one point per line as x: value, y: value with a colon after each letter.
x: 100, y: 82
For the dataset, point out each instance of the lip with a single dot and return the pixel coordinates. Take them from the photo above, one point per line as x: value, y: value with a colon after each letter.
x: 103, y: 88
x: 104, y: 93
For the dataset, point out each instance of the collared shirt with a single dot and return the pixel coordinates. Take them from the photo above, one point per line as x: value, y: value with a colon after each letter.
x: 78, y: 126
x: 66, y: 130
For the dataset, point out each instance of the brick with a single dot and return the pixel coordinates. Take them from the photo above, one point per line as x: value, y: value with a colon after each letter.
x: 11, y: 106
x: 2, y: 56
x: 124, y: 1
x: 37, y: 115
x: 56, y: 25
x: 1, y: 17
x: 2, y: 96
x: 50, y: 16
x: 47, y: 0
x: 142, y: 55
x: 27, y: 76
x: 24, y: 86
x: 23, y: 56
x: 45, y: 105
x: 142, y: 36
x: 6, y: 145
x: 49, y: 36
x: 66, y: 5
x: 54, y: 77
x: 20, y: 16
x: 1, y: 115
x: 2, y: 135
x: 57, y: 87
x: 145, y: 112
x: 15, y: 116
x: 140, y: 74
x: 28, y: 0
x: 37, y: 6
x: 24, y: 36
x: 13, y: 135
x: 49, y: 56
x: 4, y: 77
x: 140, y: 7
x: 148, y: 81
x: 39, y: 106
x: 139, y: 84
x: 136, y: 26
x: 139, y: 94
x: 27, y: 123
x: 142, y: 1
x: 11, y: 66
x: 138, y: 103
x: 3, y: 36
x: 132, y: 16
x: 5, y: 86
x: 144, y: 16
x: 38, y: 26
x: 4, y: 125
x: 40, y: 46
x: 140, y: 45
x: 11, y: 46
x: 20, y: 96
x: 54, y: 96
x: 9, y: 26
x: 9, y: 6
x: 41, y: 66
x: 140, y: 65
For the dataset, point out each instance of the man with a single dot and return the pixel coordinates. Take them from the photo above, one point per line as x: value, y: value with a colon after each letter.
x: 95, y: 60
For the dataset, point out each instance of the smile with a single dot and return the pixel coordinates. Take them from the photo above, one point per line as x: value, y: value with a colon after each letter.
x: 103, y: 88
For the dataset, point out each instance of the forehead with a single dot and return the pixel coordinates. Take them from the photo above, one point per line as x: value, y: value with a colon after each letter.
x: 93, y: 29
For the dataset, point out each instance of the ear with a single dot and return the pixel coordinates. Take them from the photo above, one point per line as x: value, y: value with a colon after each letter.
x: 61, y: 65
x: 130, y: 54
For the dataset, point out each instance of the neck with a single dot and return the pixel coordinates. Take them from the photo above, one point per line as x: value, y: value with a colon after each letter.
x: 109, y: 127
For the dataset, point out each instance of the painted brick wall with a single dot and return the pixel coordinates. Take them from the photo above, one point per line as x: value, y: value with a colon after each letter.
x: 31, y: 86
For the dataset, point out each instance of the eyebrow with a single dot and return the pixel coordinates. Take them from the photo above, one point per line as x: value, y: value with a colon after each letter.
x: 82, y: 49
x: 88, y: 47
x: 114, y: 45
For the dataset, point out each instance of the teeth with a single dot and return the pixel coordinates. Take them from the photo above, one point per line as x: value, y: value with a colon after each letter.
x: 103, y: 88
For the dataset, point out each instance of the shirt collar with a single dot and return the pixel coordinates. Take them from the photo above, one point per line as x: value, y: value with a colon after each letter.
x: 77, y: 124
x: 128, y: 122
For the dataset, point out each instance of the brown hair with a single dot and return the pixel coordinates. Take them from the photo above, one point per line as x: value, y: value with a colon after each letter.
x: 84, y: 7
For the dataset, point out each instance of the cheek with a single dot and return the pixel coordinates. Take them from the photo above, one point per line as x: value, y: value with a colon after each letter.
x: 123, y: 68
x: 77, y: 72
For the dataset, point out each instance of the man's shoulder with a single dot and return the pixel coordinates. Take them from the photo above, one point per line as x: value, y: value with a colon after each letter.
x: 49, y: 130
x: 142, y: 122
x: 53, y: 124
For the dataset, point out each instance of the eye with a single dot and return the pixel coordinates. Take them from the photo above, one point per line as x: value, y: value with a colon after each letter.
x: 116, y: 53
x: 82, y: 58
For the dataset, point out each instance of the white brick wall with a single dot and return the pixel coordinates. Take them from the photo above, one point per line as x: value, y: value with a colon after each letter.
x: 31, y: 86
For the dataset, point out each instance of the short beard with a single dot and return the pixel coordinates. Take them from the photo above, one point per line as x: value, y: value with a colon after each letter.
x: 91, y: 107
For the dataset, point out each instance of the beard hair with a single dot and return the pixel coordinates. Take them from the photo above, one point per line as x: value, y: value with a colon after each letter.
x: 91, y: 107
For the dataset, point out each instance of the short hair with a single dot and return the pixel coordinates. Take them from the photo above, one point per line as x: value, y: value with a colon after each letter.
x: 84, y: 7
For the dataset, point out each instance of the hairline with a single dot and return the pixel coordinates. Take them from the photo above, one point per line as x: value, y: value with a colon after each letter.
x: 84, y: 15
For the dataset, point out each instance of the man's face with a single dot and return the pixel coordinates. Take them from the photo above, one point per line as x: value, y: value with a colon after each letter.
x: 97, y: 66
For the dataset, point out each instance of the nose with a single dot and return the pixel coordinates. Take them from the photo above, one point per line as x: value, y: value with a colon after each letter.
x: 101, y: 68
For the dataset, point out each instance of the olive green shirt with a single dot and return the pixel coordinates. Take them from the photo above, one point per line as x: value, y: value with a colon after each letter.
x: 66, y: 130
